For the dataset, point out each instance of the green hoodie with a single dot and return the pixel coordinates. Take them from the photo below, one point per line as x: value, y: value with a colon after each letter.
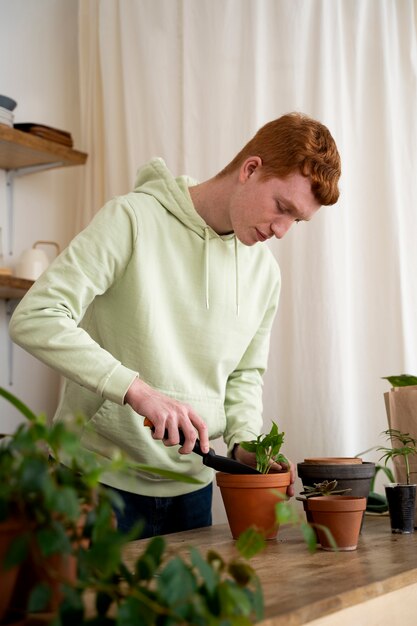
x: 149, y: 290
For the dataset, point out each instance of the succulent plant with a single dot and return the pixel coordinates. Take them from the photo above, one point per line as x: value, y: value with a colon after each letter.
x: 325, y: 488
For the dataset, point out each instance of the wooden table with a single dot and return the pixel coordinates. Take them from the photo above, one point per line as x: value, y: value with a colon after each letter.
x: 376, y: 585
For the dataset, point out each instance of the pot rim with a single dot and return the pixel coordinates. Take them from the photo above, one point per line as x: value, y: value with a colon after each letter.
x: 334, y: 460
x: 345, y: 503
x: 393, y: 485
x: 253, y: 481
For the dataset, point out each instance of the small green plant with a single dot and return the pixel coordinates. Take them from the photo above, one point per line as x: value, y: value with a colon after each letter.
x: 325, y: 488
x: 407, y: 447
x: 267, y: 449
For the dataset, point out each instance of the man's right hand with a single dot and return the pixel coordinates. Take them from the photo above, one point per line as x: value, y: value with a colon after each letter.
x: 167, y: 415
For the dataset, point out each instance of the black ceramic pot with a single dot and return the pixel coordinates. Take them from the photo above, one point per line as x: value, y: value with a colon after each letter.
x: 355, y: 476
x: 401, y: 505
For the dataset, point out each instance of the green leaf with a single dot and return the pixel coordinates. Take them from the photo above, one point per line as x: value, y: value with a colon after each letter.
x: 17, y: 551
x: 329, y: 536
x: 309, y: 536
x: 18, y: 404
x: 401, y: 380
x: 242, y: 573
x: 71, y: 609
x: 250, y: 542
x: 34, y: 474
x: 258, y: 599
x: 65, y: 500
x: 53, y: 539
x: 39, y: 598
x: 215, y: 560
x: 249, y: 446
x: 233, y: 600
x: 131, y: 613
x: 176, y: 582
x: 208, y: 574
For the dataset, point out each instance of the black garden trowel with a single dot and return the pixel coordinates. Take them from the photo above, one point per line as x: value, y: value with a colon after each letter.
x: 213, y: 460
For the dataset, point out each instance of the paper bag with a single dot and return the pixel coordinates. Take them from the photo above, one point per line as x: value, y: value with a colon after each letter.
x: 401, y: 406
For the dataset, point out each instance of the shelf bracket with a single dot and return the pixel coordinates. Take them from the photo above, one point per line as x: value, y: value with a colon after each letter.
x: 11, y: 304
x: 10, y: 176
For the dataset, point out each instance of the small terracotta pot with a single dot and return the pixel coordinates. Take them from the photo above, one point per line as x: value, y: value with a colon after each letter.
x: 342, y: 515
x: 250, y: 499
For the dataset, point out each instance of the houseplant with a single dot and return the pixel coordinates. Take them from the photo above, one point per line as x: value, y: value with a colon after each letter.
x: 341, y: 515
x: 250, y: 499
x: 401, y: 409
x: 335, y: 517
x: 66, y: 518
x: 401, y: 497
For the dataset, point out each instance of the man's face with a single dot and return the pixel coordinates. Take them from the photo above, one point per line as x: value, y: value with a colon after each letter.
x: 260, y: 209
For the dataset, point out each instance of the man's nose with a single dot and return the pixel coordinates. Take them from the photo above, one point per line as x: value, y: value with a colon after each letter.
x: 281, y: 227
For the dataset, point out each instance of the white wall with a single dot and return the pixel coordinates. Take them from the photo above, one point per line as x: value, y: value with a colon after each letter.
x: 39, y: 69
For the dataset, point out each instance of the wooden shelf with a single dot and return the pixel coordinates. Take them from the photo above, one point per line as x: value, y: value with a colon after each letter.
x: 12, y: 287
x: 19, y: 150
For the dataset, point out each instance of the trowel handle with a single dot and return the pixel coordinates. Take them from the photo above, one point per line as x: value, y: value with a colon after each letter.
x: 147, y: 422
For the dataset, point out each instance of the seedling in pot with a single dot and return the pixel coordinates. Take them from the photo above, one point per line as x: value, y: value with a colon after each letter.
x: 325, y: 488
x: 267, y: 449
x: 408, y: 447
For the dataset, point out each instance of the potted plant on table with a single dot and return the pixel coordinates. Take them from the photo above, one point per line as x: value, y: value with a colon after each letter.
x: 400, y: 497
x: 250, y: 499
x: 335, y: 516
x: 67, y: 558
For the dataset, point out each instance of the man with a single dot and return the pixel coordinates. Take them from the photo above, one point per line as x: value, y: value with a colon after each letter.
x: 163, y: 306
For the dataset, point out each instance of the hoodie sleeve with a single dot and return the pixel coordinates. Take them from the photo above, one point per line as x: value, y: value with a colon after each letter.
x: 243, y: 400
x: 46, y: 321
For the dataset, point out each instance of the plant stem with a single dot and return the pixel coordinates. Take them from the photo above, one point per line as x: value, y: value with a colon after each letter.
x: 407, y: 469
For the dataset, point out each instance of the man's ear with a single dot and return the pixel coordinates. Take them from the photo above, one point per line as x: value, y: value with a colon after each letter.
x: 249, y: 166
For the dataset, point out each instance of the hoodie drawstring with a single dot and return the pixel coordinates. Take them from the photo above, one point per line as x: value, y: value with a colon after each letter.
x: 207, y: 264
x: 236, y: 277
x: 207, y: 269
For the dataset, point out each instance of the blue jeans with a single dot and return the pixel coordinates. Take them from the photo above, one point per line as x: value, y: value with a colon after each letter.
x: 165, y: 515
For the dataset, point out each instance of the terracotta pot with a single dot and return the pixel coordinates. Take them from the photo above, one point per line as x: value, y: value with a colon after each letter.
x: 9, y: 530
x: 52, y: 571
x: 250, y: 499
x: 342, y: 515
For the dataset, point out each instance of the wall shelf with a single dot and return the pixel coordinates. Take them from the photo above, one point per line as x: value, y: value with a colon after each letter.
x: 20, y: 150
x: 12, y: 288
x: 23, y: 153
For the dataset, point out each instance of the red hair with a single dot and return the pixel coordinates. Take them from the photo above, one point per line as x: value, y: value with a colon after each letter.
x: 295, y: 143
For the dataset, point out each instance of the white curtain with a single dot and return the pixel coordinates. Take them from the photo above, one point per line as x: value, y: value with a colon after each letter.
x: 192, y: 81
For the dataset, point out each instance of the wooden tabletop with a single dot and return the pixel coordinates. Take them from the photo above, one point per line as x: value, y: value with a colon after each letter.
x: 300, y: 587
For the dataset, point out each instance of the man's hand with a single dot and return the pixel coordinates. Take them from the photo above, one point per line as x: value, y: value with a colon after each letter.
x: 167, y: 414
x: 249, y: 459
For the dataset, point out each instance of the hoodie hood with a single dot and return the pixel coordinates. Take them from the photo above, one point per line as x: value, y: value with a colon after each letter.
x: 156, y: 180
x: 172, y: 193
